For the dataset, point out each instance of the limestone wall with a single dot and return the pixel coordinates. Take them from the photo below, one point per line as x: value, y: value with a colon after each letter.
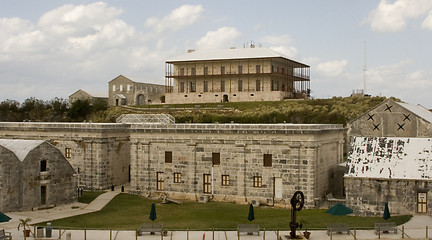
x: 300, y: 155
x: 389, y: 120
x: 99, y: 152
x: 367, y: 196
x: 10, y: 180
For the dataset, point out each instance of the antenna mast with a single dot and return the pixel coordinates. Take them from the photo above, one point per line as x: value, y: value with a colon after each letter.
x: 364, y: 69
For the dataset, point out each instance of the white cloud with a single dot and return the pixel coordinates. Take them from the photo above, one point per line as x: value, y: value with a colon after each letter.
x: 427, y: 23
x: 221, y: 38
x: 290, y: 52
x: 72, y: 47
x: 393, y: 17
x: 277, y: 40
x: 177, y: 19
x: 332, y: 68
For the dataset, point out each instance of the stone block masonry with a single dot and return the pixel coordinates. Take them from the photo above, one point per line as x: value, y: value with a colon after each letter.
x: 234, y: 162
x: 99, y: 153
x: 224, y: 162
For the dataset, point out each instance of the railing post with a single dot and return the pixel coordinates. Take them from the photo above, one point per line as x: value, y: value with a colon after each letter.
x: 238, y: 235
x: 213, y: 233
x: 264, y: 234
x: 136, y: 234
x: 110, y: 234
x: 187, y: 233
x: 85, y: 234
x: 331, y: 233
x: 277, y: 234
x: 426, y: 231
x: 403, y: 231
x: 355, y: 233
x: 379, y: 232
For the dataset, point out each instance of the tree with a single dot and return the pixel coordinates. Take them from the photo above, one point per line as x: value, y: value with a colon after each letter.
x: 35, y: 110
x: 58, y: 109
x: 79, y: 111
x: 9, y: 111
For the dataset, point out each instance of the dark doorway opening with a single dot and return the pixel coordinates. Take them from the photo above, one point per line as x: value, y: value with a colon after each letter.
x: 225, y: 98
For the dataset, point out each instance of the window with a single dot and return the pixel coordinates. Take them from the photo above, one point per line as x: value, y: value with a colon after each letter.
x: 192, y: 87
x: 121, y: 88
x: 177, y: 177
x: 240, y: 69
x: 225, y: 180
x: 275, y: 85
x: 257, y: 181
x: 205, y: 86
x: 128, y: 87
x: 205, y: 70
x: 68, y: 152
x: 258, y: 68
x: 267, y: 160
x: 258, y: 85
x: 215, y: 159
x: 113, y: 88
x: 240, y: 85
x: 222, y: 86
x: 43, y: 195
x: 181, y: 71
x: 193, y: 71
x: 168, y: 157
x: 207, y: 183
x: 43, y: 166
x: 182, y: 87
x: 222, y: 69
x: 160, y: 181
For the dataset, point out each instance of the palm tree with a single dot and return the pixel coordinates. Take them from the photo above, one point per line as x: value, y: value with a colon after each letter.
x: 26, y: 228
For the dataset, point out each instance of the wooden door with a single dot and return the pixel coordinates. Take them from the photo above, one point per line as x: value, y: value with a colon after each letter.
x: 421, y: 202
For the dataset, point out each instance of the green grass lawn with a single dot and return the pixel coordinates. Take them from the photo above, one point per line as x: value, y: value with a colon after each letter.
x: 127, y: 211
x: 88, y: 196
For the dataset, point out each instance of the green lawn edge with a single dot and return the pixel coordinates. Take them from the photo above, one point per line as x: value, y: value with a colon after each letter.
x: 127, y: 211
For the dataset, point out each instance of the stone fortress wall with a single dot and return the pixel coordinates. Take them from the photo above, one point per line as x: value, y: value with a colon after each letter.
x: 267, y: 162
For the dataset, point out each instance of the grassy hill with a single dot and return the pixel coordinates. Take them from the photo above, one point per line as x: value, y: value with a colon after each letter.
x: 337, y: 110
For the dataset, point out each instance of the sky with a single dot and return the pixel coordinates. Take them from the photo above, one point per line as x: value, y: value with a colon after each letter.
x: 52, y: 48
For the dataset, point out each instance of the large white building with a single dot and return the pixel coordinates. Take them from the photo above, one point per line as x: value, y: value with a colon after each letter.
x: 236, y: 75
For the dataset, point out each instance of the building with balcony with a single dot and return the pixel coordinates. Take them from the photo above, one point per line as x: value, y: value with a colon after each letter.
x: 236, y: 75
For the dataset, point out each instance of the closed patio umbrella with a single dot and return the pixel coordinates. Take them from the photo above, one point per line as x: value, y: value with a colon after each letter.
x: 339, y: 209
x: 386, y: 211
x: 4, y: 217
x: 152, y: 212
x: 251, y: 215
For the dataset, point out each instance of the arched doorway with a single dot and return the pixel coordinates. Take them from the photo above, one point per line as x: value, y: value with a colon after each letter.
x: 140, y: 99
x: 225, y: 98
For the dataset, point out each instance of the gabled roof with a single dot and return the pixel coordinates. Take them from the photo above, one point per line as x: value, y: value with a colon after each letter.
x: 228, y: 54
x: 417, y: 110
x: 120, y: 76
x: 20, y: 147
x: 141, y: 80
x: 390, y: 158
x: 93, y: 94
x: 119, y: 95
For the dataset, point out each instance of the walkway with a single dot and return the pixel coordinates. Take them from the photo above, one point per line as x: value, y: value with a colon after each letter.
x: 414, y: 229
